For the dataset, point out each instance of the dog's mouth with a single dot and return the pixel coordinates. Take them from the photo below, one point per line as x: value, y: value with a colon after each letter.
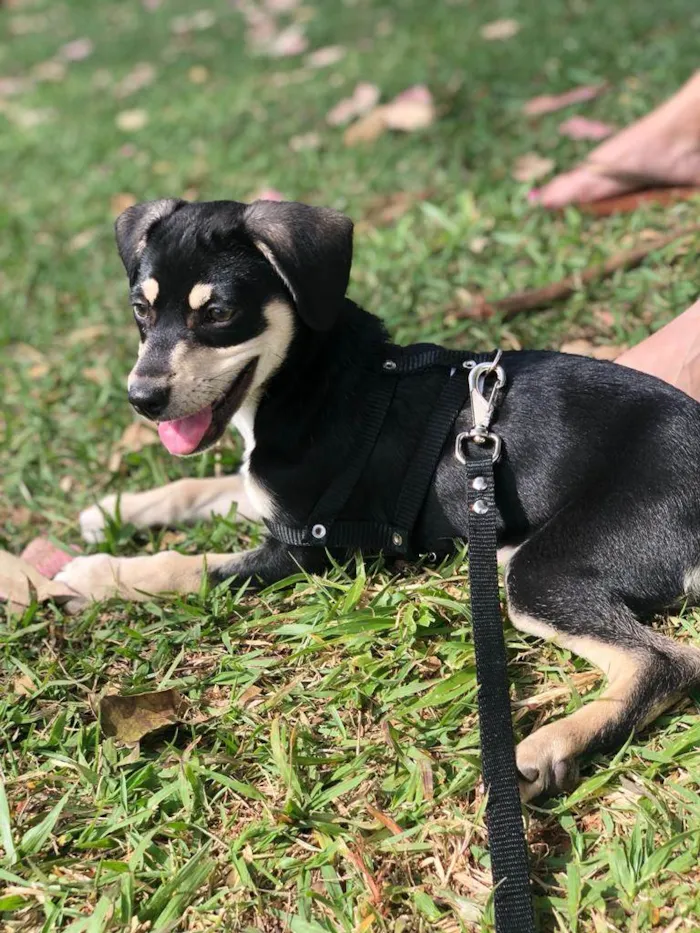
x: 195, y: 433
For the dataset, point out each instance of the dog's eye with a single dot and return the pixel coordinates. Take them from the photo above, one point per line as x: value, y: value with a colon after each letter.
x: 140, y: 310
x: 219, y: 315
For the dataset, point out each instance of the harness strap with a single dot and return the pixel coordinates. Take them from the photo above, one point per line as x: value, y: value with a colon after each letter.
x: 507, y: 846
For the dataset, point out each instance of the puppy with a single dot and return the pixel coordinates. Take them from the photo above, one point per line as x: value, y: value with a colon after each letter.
x: 243, y: 316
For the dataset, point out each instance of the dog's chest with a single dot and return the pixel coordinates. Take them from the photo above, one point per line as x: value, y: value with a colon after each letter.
x: 260, y: 498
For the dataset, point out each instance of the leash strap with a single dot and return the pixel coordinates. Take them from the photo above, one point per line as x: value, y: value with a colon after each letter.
x: 507, y: 846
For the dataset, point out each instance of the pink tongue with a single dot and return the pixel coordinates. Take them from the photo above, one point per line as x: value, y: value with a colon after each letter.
x: 184, y: 435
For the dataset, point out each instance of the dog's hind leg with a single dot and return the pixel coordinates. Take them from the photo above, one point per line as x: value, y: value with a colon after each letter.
x: 186, y: 500
x: 557, y: 590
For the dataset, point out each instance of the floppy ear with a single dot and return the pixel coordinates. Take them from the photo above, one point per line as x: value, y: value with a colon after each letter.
x: 310, y: 248
x: 133, y: 225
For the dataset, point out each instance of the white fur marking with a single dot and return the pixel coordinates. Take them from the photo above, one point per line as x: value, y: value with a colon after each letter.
x: 200, y: 294
x: 150, y: 289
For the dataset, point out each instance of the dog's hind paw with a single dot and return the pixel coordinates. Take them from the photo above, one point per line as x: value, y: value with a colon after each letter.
x: 94, y: 519
x: 544, y: 766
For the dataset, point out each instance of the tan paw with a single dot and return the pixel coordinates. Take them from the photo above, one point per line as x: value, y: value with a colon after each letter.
x: 94, y: 519
x: 545, y: 763
x: 93, y: 578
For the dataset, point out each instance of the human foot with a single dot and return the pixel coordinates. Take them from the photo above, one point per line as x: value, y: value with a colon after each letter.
x: 661, y: 149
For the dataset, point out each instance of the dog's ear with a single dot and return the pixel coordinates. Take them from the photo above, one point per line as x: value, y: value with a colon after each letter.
x: 132, y: 227
x: 310, y: 248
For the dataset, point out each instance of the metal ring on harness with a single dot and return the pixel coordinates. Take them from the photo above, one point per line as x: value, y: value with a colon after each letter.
x: 481, y: 437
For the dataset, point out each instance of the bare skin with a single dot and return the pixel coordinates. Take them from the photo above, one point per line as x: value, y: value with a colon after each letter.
x: 663, y: 148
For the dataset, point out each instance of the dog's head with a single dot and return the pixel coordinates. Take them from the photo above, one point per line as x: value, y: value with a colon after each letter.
x: 218, y: 290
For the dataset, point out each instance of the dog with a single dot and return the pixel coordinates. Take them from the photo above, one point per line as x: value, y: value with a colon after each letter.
x: 243, y: 317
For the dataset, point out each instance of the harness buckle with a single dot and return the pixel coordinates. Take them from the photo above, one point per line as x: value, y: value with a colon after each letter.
x: 483, y: 409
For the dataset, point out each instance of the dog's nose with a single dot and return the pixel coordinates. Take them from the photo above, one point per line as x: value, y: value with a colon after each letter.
x: 149, y: 399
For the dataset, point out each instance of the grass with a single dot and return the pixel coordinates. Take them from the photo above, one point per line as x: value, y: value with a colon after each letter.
x: 327, y: 778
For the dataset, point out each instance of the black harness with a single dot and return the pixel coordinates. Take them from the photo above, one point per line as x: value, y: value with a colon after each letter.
x: 478, y: 449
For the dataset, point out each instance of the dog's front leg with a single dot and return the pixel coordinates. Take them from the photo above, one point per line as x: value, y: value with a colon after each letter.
x: 185, y: 500
x: 101, y: 576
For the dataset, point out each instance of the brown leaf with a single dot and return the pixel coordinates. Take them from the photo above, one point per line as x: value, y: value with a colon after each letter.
x: 323, y: 58
x: 120, y: 202
x: 88, y: 334
x: 20, y: 583
x: 140, y: 76
x: 82, y: 239
x: 136, y: 436
x: 500, y: 29
x: 290, y: 41
x: 385, y: 820
x: 198, y: 74
x: 45, y: 557
x: 532, y: 166
x: 51, y: 70
x: 363, y: 99
x: 583, y: 347
x: 583, y: 128
x: 304, y: 141
x: 411, y: 110
x: 366, y: 129
x: 77, y: 50
x: 386, y: 209
x: 131, y: 120
x: 548, y: 103
x: 130, y: 718
x: 23, y: 686
x: 11, y: 86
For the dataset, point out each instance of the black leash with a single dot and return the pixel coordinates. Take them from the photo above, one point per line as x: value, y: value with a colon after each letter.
x: 479, y: 449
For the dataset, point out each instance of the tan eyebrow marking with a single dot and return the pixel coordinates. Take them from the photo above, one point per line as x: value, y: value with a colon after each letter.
x: 200, y: 294
x: 150, y: 289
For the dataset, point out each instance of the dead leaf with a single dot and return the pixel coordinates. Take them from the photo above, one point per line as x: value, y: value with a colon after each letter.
x: 366, y: 129
x: 96, y: 375
x: 25, y: 353
x: 45, y: 557
x: 138, y: 434
x: 23, y: 686
x: 268, y: 194
x: 38, y: 370
x: 323, y: 58
x: 290, y: 41
x: 411, y: 110
x: 82, y: 239
x: 363, y: 99
x: 66, y: 483
x: 140, y: 76
x: 29, y: 117
x: 9, y: 87
x: 88, y: 334
x: 130, y: 718
x: 532, y: 166
x: 202, y: 19
x: 77, y: 50
x: 281, y: 6
x: 386, y: 209
x: 304, y: 141
x: 500, y: 29
x: 131, y: 120
x: 582, y: 347
x: 51, y: 70
x: 20, y: 584
x: 548, y: 103
x: 198, y: 74
x: 120, y: 202
x: 583, y: 128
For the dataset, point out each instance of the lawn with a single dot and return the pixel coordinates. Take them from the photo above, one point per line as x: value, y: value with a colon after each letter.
x: 326, y: 774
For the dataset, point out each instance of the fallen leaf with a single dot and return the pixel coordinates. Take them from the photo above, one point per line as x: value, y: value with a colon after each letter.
x: 9, y: 87
x: 386, y: 209
x: 131, y: 120
x: 281, y: 6
x: 45, y: 557
x: 478, y: 244
x: 582, y: 347
x: 412, y: 109
x: 268, y: 194
x: 366, y: 129
x: 20, y: 583
x: 500, y: 29
x: 88, y: 334
x: 77, y: 50
x: 51, y: 70
x: 137, y: 435
x: 140, y: 76
x: 305, y: 141
x: 66, y: 483
x: 548, y: 103
x: 82, y: 239
x: 120, y: 202
x: 202, y: 19
x: 38, y: 370
x: 96, y: 375
x: 532, y: 166
x: 198, y: 74
x: 29, y: 117
x: 323, y: 58
x: 23, y: 686
x: 130, y: 718
x: 363, y: 99
x: 25, y: 353
x: 583, y: 128
x: 290, y: 41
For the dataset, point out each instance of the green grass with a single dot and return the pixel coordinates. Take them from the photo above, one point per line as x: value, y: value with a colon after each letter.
x: 328, y: 776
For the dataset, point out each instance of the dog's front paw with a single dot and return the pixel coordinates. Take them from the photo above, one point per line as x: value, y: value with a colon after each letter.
x: 92, y: 578
x: 545, y: 765
x: 94, y: 519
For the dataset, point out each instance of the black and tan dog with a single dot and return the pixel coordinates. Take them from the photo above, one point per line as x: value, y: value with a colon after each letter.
x: 243, y: 315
